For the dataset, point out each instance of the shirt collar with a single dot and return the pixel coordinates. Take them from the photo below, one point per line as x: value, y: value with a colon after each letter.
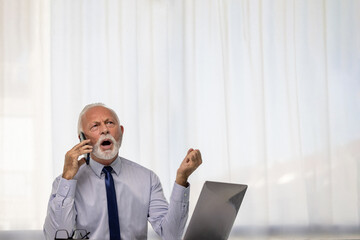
x: 98, y: 167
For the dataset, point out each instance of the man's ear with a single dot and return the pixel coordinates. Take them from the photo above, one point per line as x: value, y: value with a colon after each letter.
x: 122, y: 129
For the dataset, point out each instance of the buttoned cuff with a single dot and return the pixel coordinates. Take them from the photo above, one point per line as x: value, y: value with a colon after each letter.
x: 180, y: 193
x: 67, y: 188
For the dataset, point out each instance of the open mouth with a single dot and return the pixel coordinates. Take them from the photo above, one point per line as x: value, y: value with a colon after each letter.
x: 106, y: 144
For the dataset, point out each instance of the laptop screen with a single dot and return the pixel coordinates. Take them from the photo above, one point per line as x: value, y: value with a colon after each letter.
x: 215, y: 211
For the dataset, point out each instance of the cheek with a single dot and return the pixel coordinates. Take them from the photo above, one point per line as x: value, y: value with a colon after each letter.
x: 93, y: 140
x: 117, y: 135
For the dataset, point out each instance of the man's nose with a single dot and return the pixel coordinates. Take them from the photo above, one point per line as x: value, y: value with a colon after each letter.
x: 104, y: 129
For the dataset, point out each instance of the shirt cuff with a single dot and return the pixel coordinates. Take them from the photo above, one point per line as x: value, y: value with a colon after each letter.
x: 66, y: 187
x: 180, y: 193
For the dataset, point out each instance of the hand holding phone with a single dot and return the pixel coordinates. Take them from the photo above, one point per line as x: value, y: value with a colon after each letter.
x: 72, y: 162
x: 82, y: 138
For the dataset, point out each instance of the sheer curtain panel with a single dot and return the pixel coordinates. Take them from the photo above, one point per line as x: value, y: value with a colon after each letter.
x: 269, y: 91
x: 25, y: 114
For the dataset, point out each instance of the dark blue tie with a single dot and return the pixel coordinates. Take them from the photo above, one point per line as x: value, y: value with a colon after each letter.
x: 112, y: 204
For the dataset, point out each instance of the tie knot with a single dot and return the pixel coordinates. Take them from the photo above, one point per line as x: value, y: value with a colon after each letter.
x: 107, y: 169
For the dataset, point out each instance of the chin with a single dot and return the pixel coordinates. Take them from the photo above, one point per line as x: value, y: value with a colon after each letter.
x: 106, y: 155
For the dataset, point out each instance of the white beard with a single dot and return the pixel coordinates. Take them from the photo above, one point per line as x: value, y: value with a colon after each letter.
x: 108, y: 154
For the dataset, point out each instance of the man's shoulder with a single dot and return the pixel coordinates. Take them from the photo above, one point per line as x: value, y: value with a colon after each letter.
x: 136, y: 166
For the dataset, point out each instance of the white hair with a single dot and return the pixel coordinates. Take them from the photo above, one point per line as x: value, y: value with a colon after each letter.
x: 87, y: 107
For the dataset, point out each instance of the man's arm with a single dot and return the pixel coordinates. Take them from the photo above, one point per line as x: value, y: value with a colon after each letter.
x: 61, y: 213
x: 169, y: 221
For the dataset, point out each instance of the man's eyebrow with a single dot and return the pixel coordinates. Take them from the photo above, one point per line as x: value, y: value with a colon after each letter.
x: 110, y: 119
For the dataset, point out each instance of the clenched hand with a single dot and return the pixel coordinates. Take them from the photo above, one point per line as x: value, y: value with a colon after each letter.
x: 190, y: 163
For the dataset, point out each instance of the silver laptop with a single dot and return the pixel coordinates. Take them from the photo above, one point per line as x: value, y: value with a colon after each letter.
x: 215, y: 211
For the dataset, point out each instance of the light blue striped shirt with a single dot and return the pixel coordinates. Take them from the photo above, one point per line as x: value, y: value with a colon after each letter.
x: 81, y: 203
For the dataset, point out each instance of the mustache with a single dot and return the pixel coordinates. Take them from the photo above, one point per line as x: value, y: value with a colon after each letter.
x: 103, y: 137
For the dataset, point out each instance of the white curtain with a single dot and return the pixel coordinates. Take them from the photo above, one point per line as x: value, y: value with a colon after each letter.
x: 25, y: 113
x: 269, y: 91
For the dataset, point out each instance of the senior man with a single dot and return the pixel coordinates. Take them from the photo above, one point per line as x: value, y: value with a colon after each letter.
x: 113, y: 197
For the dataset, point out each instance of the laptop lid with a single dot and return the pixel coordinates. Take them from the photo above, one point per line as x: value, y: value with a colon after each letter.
x: 215, y: 211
